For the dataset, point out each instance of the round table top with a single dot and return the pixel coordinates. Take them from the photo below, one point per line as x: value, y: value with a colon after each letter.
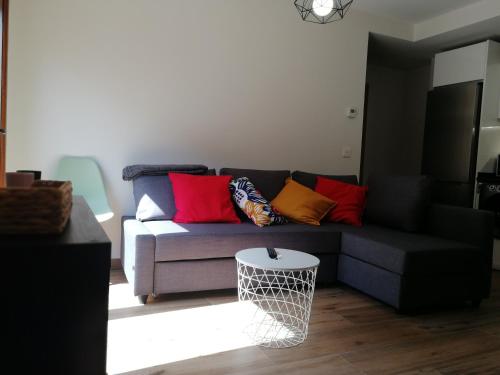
x: 287, y: 259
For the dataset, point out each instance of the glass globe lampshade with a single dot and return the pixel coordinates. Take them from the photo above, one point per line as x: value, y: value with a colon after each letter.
x: 322, y: 11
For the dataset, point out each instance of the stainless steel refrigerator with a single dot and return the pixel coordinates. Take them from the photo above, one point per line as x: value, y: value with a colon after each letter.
x: 451, y: 141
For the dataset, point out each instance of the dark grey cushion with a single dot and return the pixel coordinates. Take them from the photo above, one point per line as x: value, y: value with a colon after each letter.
x: 309, y: 179
x: 409, y: 253
x: 399, y: 202
x: 206, y: 241
x: 154, y: 199
x: 269, y: 183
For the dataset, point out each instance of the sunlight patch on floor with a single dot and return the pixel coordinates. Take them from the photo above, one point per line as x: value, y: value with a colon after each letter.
x: 151, y: 340
x: 121, y: 296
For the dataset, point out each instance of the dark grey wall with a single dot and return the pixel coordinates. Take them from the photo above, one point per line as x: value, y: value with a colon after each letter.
x: 395, y: 120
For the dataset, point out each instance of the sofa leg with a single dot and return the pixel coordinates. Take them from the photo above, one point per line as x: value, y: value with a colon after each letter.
x: 402, y: 311
x: 143, y: 298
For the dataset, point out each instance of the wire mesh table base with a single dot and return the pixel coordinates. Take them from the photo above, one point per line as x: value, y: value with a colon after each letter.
x: 281, y: 300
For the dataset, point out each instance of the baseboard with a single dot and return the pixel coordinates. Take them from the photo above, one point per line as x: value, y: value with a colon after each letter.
x: 116, y: 264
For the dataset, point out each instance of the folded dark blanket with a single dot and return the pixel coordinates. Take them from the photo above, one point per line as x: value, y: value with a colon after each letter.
x: 133, y: 171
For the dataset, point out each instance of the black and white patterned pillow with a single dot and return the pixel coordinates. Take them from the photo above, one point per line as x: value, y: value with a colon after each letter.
x: 253, y: 204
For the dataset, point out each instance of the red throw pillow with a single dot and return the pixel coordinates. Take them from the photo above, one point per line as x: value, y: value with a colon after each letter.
x: 350, y: 200
x: 202, y: 199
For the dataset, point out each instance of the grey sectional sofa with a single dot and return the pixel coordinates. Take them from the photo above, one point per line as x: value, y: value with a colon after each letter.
x: 410, y: 253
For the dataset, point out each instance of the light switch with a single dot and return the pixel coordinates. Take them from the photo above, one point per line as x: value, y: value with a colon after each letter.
x: 346, y: 152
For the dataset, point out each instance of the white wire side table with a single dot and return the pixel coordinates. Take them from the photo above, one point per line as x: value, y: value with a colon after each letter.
x: 280, y: 292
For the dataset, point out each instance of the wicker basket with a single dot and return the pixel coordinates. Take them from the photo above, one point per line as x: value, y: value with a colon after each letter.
x: 44, y: 208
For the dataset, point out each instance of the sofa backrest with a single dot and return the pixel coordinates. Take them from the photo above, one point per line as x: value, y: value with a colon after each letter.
x: 309, y: 179
x: 153, y: 198
x: 399, y: 202
x: 269, y: 183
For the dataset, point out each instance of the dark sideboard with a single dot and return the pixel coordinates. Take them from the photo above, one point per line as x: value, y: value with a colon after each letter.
x: 56, y: 298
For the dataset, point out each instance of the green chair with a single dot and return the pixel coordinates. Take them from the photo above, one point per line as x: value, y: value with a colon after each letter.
x: 85, y: 175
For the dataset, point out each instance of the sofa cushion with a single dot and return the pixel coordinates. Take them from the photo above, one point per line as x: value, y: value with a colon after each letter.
x: 409, y: 253
x: 209, y: 241
x: 269, y: 183
x: 351, y: 200
x: 253, y: 204
x: 202, y: 199
x: 309, y: 179
x: 399, y: 202
x: 301, y: 204
x: 154, y: 199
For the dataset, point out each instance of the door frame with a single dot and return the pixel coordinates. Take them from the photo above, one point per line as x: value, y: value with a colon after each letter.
x: 4, y: 9
x: 363, y: 136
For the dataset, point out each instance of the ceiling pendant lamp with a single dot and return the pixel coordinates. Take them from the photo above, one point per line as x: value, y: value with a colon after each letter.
x: 322, y: 11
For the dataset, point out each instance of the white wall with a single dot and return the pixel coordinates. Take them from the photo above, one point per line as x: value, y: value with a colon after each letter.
x: 241, y: 83
x: 489, y: 135
x: 458, y: 18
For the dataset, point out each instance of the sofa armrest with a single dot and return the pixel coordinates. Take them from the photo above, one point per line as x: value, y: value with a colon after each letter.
x: 468, y: 225
x: 138, y: 256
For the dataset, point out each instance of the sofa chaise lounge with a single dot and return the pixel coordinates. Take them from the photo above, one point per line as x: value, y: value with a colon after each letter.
x: 410, y: 253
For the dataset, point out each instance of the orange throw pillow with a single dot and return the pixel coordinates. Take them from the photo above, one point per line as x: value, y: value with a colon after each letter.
x: 301, y: 204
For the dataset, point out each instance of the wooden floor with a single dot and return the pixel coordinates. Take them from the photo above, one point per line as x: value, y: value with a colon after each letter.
x: 350, y: 333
